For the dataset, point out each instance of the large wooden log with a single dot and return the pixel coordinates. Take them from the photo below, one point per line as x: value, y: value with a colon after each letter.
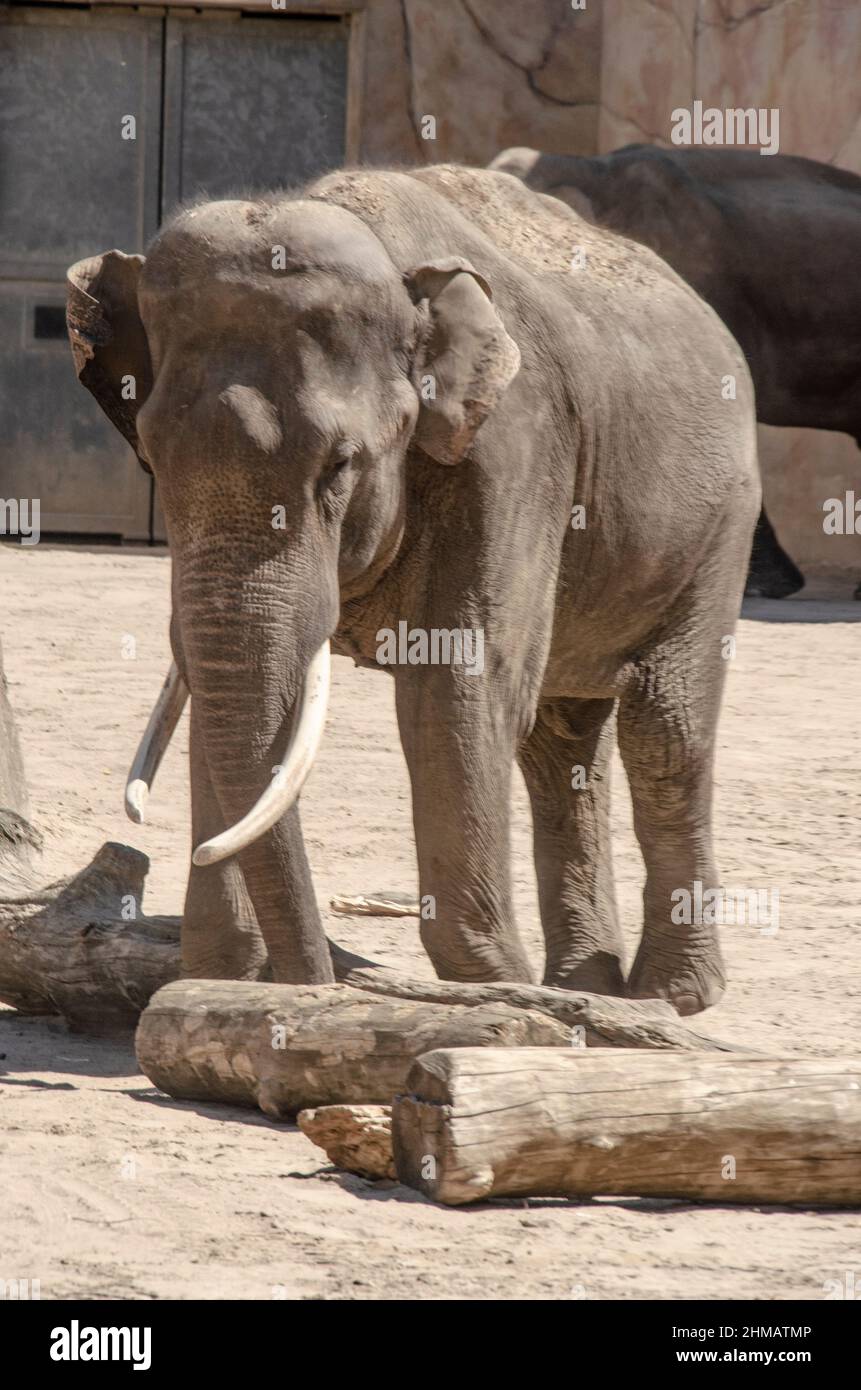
x: 286, y: 1048
x: 475, y: 1124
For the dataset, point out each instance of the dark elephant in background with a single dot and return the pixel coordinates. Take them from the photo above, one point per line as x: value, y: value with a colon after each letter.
x: 773, y: 243
x: 402, y: 368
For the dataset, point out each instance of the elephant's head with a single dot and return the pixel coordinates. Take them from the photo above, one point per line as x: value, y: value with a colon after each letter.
x: 273, y: 368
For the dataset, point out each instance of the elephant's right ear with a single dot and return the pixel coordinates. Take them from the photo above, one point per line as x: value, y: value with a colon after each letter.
x: 467, y: 357
x: 108, y: 340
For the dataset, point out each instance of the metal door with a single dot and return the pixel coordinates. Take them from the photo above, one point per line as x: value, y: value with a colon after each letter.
x: 251, y: 103
x: 70, y: 185
x: 222, y: 104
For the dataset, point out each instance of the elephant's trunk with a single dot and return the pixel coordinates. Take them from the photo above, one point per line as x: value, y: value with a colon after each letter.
x: 293, y: 768
x: 253, y: 631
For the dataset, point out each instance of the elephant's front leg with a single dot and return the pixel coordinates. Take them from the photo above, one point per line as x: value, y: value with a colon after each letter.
x: 459, y: 744
x: 220, y: 935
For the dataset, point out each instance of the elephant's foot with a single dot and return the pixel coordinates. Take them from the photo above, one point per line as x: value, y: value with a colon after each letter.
x: 772, y: 574
x: 236, y: 952
x: 688, y: 972
x: 476, y: 958
x: 597, y: 973
x: 772, y: 585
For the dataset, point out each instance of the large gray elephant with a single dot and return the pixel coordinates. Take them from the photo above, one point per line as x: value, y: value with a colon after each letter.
x: 387, y: 400
x: 773, y: 243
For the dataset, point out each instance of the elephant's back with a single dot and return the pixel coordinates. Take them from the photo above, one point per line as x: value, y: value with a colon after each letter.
x: 538, y: 231
x: 535, y: 234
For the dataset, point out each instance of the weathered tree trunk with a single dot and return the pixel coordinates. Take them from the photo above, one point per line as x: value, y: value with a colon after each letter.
x: 67, y: 948
x: 550, y: 1122
x: 288, y: 1047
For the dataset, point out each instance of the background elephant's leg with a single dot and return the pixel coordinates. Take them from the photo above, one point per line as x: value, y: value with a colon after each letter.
x: 572, y: 742
x: 220, y: 935
x: 666, y: 727
x: 772, y: 574
x: 460, y: 755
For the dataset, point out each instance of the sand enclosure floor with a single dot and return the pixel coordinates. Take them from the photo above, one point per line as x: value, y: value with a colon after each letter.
x: 114, y: 1191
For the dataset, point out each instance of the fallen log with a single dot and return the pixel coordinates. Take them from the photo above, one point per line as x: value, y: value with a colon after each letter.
x: 357, y: 1138
x: 556, y: 1122
x: 286, y: 1048
x: 84, y: 948
x: 596, y: 1020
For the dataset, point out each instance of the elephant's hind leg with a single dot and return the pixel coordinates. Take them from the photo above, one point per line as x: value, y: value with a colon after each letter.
x: 566, y: 765
x: 666, y: 727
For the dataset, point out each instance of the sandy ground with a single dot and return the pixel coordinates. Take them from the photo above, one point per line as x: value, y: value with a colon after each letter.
x: 113, y: 1191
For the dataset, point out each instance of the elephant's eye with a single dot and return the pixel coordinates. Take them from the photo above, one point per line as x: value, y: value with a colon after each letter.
x: 338, y: 466
x: 336, y: 470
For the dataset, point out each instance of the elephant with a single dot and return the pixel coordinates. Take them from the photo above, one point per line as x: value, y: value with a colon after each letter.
x: 383, y: 406
x: 772, y: 243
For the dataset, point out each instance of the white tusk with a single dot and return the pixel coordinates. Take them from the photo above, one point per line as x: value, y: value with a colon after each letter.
x: 293, y: 769
x: 157, y: 735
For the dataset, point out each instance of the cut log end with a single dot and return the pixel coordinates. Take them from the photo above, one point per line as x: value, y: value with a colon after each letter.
x: 698, y: 1127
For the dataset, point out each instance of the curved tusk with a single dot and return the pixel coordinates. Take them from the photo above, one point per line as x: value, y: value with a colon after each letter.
x: 157, y: 735
x: 293, y: 769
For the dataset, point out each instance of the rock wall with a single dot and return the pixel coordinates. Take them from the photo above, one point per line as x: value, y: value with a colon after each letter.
x: 490, y: 72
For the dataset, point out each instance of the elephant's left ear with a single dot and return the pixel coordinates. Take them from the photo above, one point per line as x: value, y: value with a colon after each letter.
x: 467, y: 359
x: 108, y: 339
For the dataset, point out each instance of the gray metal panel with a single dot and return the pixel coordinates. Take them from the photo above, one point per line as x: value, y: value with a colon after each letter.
x: 251, y: 103
x: 55, y: 443
x: 69, y: 183
x: 70, y: 186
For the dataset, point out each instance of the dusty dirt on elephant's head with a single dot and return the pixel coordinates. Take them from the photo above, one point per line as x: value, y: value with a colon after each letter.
x: 358, y: 192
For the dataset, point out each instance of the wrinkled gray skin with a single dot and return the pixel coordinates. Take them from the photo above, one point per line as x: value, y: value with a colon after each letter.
x: 301, y: 388
x: 773, y: 243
